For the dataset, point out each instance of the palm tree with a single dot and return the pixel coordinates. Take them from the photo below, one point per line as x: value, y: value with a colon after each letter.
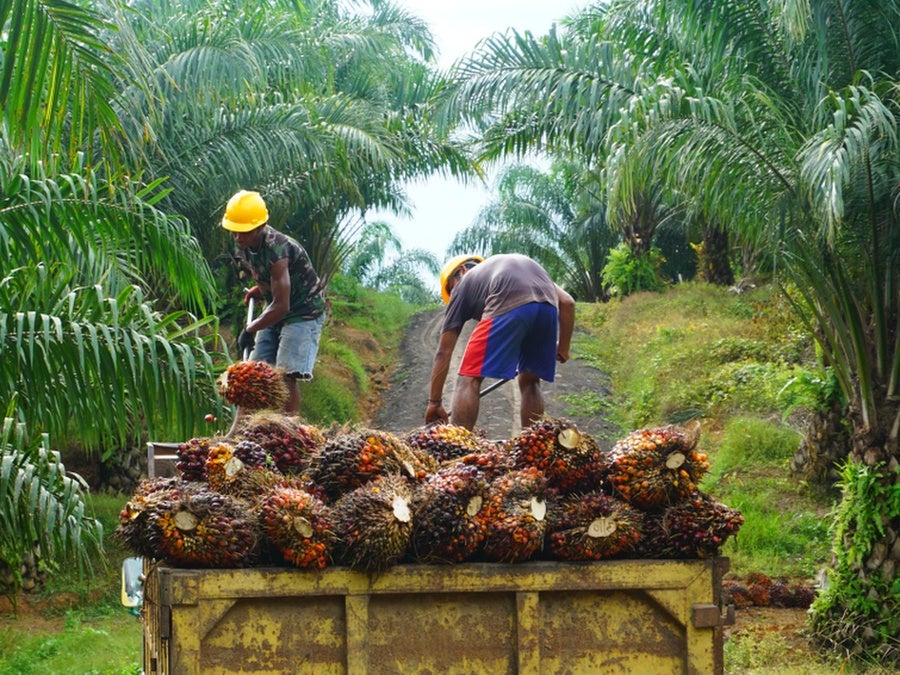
x: 322, y: 110
x: 379, y: 261
x: 791, y: 138
x: 91, y: 347
x: 551, y: 217
x: 777, y: 121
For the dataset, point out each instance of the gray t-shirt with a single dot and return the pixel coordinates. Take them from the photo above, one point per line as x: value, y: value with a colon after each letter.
x: 499, y: 284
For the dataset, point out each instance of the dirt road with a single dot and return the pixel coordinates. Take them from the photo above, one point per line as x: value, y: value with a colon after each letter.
x: 403, y: 406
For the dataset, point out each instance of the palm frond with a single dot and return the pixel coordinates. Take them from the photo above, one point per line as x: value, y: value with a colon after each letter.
x: 33, y: 481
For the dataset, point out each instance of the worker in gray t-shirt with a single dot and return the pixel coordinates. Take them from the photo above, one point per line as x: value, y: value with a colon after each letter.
x: 525, y: 324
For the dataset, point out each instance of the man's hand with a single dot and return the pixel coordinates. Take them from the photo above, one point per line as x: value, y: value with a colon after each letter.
x: 254, y: 293
x: 246, y: 341
x: 435, y: 413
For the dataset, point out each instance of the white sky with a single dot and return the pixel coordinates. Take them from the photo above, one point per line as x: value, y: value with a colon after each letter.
x: 441, y: 207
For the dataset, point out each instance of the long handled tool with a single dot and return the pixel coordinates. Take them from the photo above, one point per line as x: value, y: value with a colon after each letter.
x: 488, y: 389
x: 245, y: 356
x: 247, y: 350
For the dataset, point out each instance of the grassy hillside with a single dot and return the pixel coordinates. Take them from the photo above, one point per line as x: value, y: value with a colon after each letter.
x: 746, y: 370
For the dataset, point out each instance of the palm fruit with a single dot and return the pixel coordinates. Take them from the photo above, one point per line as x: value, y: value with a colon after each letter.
x: 299, y: 525
x: 735, y: 593
x: 656, y: 467
x: 445, y: 510
x: 229, y: 474
x: 570, y: 459
x: 492, y: 460
x: 288, y: 442
x: 783, y: 593
x: 134, y: 526
x: 592, y: 527
x: 253, y: 385
x: 204, y: 528
x: 444, y: 441
x: 353, y: 458
x: 192, y: 458
x: 513, y: 517
x: 695, y: 528
x: 373, y: 523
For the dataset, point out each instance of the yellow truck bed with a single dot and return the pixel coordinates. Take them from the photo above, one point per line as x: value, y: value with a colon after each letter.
x: 617, y: 616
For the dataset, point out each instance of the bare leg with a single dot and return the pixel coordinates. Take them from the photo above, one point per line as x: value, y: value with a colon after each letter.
x: 292, y: 405
x: 465, y: 402
x: 532, y: 408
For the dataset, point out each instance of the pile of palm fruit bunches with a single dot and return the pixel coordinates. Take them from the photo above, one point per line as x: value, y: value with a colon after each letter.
x: 280, y: 492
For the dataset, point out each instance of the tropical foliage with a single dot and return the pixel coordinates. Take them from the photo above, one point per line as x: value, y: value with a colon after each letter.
x: 124, y: 128
x: 378, y: 261
x: 324, y: 110
x: 553, y: 217
x: 33, y: 480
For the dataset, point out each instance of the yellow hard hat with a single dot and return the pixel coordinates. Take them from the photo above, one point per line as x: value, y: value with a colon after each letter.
x: 450, y: 268
x: 245, y: 211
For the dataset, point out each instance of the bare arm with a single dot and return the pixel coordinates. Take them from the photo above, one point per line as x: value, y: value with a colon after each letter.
x: 281, y: 298
x: 435, y: 411
x: 566, y: 324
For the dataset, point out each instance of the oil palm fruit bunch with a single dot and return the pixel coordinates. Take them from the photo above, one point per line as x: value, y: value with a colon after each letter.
x: 784, y: 593
x: 134, y: 518
x: 697, y: 527
x: 204, y: 528
x: 593, y: 526
x: 373, y: 523
x: 299, y: 525
x: 355, y: 457
x: 444, y: 441
x: 513, y: 517
x: 242, y: 470
x: 445, y: 509
x: 656, y: 467
x: 571, y: 460
x: 493, y: 460
x: 191, y: 455
x: 290, y: 443
x: 253, y: 385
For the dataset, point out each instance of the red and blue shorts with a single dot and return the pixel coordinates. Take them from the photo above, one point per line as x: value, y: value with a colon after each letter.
x: 523, y: 339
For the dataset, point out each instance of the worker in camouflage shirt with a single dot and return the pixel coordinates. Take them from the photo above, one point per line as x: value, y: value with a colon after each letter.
x: 286, y: 334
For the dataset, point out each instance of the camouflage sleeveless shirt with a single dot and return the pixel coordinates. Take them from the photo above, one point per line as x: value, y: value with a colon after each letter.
x: 307, y: 292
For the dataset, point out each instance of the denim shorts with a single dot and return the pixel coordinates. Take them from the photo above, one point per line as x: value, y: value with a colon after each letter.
x: 292, y: 346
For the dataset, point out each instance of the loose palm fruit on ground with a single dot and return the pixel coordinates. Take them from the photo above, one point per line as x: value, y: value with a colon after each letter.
x: 299, y: 525
x: 445, y: 508
x: 513, y: 517
x: 203, y: 528
x: 229, y: 474
x: 191, y: 455
x: 695, y: 528
x: 593, y: 526
x: 444, y: 441
x: 290, y: 443
x: 253, y: 385
x: 134, y: 521
x: 784, y: 593
x: 353, y: 458
x: 656, y: 467
x: 571, y: 460
x: 373, y: 524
